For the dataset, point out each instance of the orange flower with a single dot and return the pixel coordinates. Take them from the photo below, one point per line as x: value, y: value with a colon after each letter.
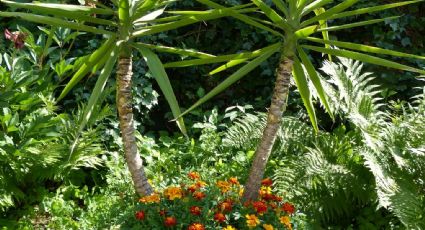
x: 226, y: 206
x: 288, y: 208
x: 233, y: 180
x: 173, y: 193
x: 154, y: 198
x: 140, y: 215
x: 194, y: 175
x: 199, y: 195
x: 286, y: 221
x: 267, y: 182
x: 260, y: 207
x: 223, y: 185
x: 170, y: 221
x: 268, y: 226
x: 219, y: 217
x: 195, y: 210
x: 196, y: 226
x: 252, y: 220
x: 266, y: 193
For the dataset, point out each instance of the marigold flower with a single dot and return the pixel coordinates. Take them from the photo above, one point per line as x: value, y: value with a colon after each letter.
x: 196, y: 226
x: 195, y: 210
x: 224, y: 186
x: 229, y: 227
x: 260, y: 207
x: 162, y: 212
x: 285, y: 221
x: 252, y: 220
x: 233, y: 180
x: 199, y: 195
x: 277, y: 198
x: 154, y: 198
x: 268, y: 226
x: 170, y: 221
x: 200, y: 184
x: 193, y: 175
x: 267, y: 182
x: 140, y: 215
x: 219, y: 217
x: 173, y: 193
x: 192, y: 188
x: 288, y: 208
x: 226, y: 206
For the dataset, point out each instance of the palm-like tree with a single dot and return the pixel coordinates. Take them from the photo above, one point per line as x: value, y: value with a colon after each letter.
x: 294, y: 21
x: 120, y: 25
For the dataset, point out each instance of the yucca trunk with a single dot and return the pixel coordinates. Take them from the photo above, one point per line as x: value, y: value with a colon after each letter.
x: 274, y: 118
x: 125, y: 112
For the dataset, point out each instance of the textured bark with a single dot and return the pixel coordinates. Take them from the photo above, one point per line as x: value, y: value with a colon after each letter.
x: 274, y: 118
x: 125, y: 112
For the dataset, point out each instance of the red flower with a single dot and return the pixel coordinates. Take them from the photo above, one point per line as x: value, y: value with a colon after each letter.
x: 260, y: 207
x: 196, y: 226
x: 226, y: 206
x: 199, y: 195
x: 219, y: 217
x: 170, y: 221
x: 195, y: 210
x: 17, y: 37
x: 277, y: 198
x: 193, y: 175
x: 162, y: 212
x: 288, y: 207
x: 267, y: 182
x: 267, y: 196
x: 140, y: 215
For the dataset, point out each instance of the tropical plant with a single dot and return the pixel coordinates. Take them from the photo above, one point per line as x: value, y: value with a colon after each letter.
x: 120, y: 26
x: 293, y: 22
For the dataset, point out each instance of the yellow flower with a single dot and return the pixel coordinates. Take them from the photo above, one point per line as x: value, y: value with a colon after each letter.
x: 252, y: 220
x: 241, y: 190
x: 224, y: 186
x: 229, y: 227
x: 173, y: 193
x: 286, y: 221
x: 268, y: 226
x: 154, y: 198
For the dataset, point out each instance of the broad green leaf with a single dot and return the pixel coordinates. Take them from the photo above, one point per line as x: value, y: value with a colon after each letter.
x: 364, y: 58
x: 223, y: 58
x: 231, y: 79
x: 229, y: 64
x: 55, y: 22
x: 372, y: 9
x: 317, y: 4
x: 356, y: 24
x: 328, y: 13
x: 183, y: 52
x: 314, y: 77
x: 302, y: 85
x: 365, y: 48
x: 99, y: 87
x: 158, y: 71
x: 307, y: 31
x: 323, y: 24
x: 87, y: 66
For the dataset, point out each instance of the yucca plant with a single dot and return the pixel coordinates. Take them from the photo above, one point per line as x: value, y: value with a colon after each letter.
x: 120, y: 25
x: 294, y: 22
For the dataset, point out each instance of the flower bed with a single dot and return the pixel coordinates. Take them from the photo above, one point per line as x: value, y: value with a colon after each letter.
x: 196, y: 205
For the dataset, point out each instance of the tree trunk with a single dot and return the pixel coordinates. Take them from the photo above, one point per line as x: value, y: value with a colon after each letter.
x: 125, y: 112
x: 274, y: 118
